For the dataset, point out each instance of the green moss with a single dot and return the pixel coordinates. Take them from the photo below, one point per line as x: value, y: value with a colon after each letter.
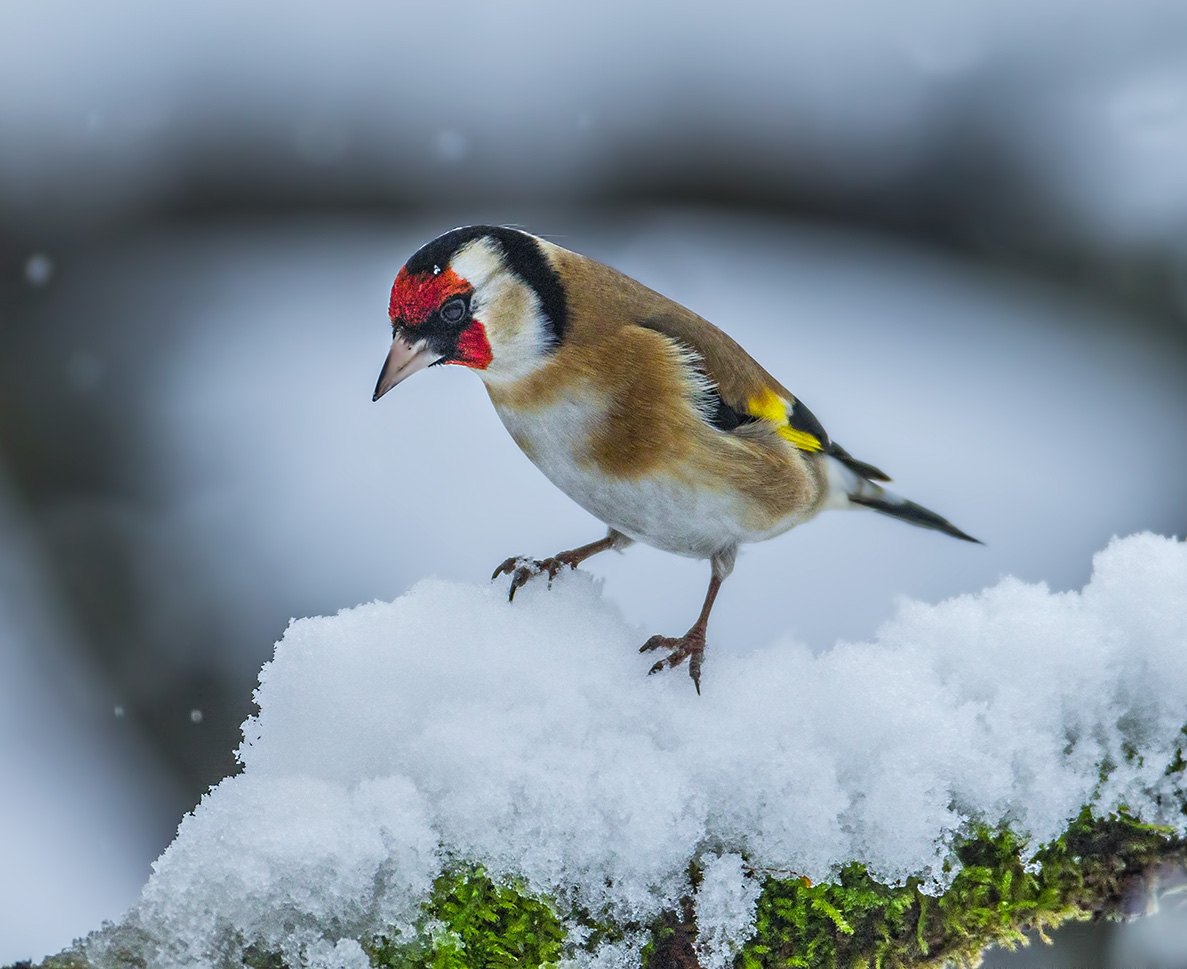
x: 471, y: 923
x: 999, y: 894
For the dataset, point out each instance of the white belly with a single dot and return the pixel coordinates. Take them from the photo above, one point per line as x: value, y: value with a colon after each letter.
x: 676, y: 512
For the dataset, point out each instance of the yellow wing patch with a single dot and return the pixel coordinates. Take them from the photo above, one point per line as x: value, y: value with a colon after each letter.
x: 801, y: 439
x: 769, y: 406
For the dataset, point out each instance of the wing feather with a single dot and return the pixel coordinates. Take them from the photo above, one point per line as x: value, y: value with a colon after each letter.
x: 745, y: 392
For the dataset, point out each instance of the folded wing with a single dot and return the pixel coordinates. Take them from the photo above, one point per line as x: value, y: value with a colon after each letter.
x: 743, y: 393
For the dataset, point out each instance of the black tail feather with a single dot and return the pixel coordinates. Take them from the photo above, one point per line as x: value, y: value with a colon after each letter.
x: 860, y: 468
x: 908, y: 511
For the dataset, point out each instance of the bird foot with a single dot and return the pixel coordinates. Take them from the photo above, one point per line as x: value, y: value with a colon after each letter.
x: 690, y: 646
x: 521, y: 569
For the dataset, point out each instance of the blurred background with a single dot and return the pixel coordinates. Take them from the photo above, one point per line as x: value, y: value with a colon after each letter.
x: 958, y: 231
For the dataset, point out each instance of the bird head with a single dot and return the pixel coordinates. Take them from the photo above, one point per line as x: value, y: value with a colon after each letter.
x: 484, y: 297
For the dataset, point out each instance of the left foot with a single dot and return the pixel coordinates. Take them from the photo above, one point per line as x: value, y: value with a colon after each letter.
x: 690, y: 646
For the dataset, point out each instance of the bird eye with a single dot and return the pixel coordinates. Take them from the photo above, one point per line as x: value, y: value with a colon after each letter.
x: 454, y: 310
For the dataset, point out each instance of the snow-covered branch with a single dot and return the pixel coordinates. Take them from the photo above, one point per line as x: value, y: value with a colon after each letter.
x: 448, y: 779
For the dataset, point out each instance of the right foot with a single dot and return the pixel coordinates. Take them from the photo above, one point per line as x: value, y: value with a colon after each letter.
x: 522, y: 569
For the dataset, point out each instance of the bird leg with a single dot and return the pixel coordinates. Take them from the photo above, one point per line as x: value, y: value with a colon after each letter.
x: 690, y: 646
x: 521, y: 569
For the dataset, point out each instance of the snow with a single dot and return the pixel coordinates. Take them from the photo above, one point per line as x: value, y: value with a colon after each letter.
x: 451, y: 725
x: 281, y: 858
x: 39, y: 269
x: 725, y: 904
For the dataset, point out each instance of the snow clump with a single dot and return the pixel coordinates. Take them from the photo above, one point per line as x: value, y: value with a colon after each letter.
x: 449, y: 725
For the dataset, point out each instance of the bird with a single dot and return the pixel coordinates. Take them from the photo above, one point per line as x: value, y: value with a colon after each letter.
x: 651, y: 418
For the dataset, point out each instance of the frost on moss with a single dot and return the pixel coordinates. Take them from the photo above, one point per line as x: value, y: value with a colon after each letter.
x: 1099, y: 867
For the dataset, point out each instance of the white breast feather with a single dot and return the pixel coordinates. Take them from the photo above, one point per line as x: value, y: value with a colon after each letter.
x: 674, y: 512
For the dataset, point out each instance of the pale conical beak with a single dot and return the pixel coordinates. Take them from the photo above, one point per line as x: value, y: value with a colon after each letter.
x: 403, y: 360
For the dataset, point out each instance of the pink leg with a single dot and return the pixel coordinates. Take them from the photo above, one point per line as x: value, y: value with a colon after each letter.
x: 690, y: 646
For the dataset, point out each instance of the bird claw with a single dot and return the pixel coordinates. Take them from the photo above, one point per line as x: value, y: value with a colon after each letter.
x: 508, y: 566
x: 521, y: 569
x: 690, y: 646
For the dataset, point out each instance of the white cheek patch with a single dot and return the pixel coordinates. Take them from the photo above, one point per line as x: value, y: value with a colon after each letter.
x: 477, y: 262
x: 508, y: 310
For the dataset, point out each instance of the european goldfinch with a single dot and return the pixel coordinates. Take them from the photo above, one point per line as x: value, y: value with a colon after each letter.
x: 648, y: 416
